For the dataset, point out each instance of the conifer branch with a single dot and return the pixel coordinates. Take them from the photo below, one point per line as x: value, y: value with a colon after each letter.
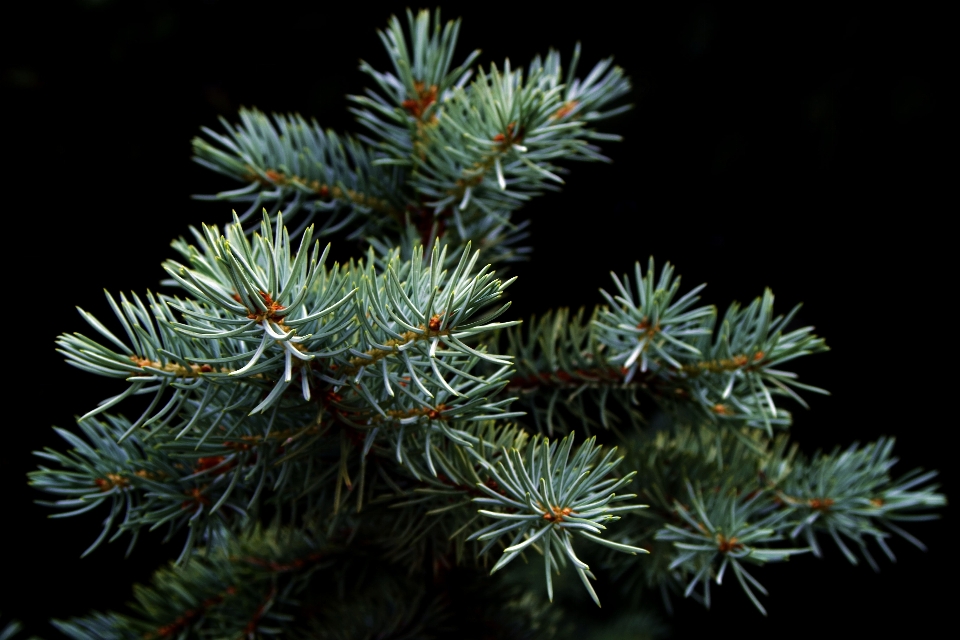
x: 293, y: 165
x: 365, y: 409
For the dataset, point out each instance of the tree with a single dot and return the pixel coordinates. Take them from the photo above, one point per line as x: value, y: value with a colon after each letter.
x: 651, y: 339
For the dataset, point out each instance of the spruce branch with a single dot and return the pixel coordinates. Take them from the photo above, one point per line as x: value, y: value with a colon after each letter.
x: 650, y: 340
x: 395, y: 362
x: 444, y: 150
x: 251, y: 587
x: 290, y: 164
x: 563, y: 377
x: 257, y: 313
x: 265, y: 317
x: 366, y: 410
x: 719, y: 500
x: 210, y: 488
x: 431, y: 496
x: 407, y: 101
x: 850, y: 495
x: 503, y: 129
x: 547, y: 497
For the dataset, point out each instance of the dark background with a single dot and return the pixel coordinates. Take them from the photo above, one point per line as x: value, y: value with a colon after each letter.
x: 800, y: 149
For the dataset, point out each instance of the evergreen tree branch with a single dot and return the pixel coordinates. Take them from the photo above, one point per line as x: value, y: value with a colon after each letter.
x: 365, y: 409
x: 295, y: 166
x: 445, y: 151
x: 570, y: 370
x: 721, y: 501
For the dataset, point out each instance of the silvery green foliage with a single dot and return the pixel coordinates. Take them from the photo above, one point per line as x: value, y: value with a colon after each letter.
x: 367, y: 410
x: 720, y: 530
x: 233, y: 367
x: 10, y: 630
x: 851, y: 495
x: 548, y: 497
x: 452, y: 151
x: 256, y: 313
x: 267, y: 318
x: 726, y: 374
x: 564, y: 379
x: 722, y: 501
x: 292, y: 164
x: 650, y: 340
x: 212, y: 488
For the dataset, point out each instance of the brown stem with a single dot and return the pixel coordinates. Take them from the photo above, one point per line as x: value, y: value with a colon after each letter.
x: 326, y: 192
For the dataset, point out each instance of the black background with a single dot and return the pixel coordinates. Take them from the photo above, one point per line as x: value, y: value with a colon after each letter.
x: 802, y: 149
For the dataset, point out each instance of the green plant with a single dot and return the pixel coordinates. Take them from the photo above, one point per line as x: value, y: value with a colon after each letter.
x: 332, y: 438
